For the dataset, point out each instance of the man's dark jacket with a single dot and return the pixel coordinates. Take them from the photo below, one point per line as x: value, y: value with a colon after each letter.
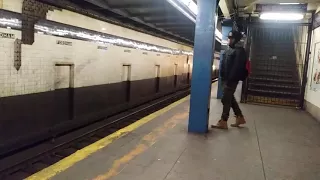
x: 233, y: 65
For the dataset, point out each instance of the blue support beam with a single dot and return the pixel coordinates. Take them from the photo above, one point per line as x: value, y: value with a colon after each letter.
x: 225, y: 32
x: 202, y: 66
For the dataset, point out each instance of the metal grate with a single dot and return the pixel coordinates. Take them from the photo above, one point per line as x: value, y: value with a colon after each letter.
x: 277, y: 56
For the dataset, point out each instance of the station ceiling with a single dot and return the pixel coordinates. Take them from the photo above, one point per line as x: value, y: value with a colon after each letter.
x: 161, y: 17
x: 157, y: 14
x: 158, y: 17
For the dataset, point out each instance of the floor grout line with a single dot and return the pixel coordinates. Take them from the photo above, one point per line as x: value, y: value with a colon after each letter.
x: 174, y: 164
x: 263, y: 169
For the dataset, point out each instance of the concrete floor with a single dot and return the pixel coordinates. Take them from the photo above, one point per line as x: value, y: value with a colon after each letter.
x: 276, y: 143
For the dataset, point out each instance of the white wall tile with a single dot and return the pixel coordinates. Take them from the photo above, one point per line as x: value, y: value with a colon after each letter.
x: 92, y: 66
x: 313, y: 96
x: 13, y: 5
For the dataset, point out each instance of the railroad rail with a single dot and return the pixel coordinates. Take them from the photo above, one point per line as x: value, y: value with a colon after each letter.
x: 31, y: 160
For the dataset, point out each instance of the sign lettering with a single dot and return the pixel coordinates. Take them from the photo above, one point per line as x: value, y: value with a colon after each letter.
x: 66, y: 43
x: 102, y: 47
x: 7, y: 35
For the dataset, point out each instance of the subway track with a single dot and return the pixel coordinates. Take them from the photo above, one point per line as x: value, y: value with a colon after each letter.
x: 31, y: 160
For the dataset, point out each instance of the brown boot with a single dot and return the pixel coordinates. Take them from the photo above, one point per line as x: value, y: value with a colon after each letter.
x: 239, y: 120
x: 221, y: 125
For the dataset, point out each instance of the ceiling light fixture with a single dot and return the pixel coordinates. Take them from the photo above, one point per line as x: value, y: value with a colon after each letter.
x: 193, y: 7
x: 174, y: 4
x: 281, y: 16
x: 288, y: 3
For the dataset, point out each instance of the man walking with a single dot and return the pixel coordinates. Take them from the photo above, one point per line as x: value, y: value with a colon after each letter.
x: 233, y: 69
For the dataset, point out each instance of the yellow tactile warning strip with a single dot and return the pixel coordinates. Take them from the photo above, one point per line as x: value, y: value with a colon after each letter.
x: 145, y: 143
x: 69, y: 161
x: 273, y: 101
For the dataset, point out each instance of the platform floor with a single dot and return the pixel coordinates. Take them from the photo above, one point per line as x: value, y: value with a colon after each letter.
x: 276, y: 143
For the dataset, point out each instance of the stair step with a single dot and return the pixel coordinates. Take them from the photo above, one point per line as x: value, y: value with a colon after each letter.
x: 274, y: 63
x: 273, y: 66
x: 273, y: 101
x: 274, y: 92
x: 273, y: 80
x: 259, y: 74
x: 269, y: 57
x: 266, y: 69
x: 275, y: 86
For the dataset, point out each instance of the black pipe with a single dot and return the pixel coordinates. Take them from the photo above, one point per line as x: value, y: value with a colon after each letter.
x: 248, y: 44
x: 306, y: 64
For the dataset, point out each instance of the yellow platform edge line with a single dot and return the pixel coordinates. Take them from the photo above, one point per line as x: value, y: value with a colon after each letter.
x: 81, y: 154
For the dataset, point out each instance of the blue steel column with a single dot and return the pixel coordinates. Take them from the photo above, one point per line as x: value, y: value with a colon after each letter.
x: 202, y: 66
x: 225, y: 32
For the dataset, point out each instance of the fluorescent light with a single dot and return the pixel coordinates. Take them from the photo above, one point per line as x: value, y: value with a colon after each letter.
x: 281, y: 16
x: 289, y: 3
x: 193, y: 7
x: 218, y: 34
x: 224, y: 42
x: 174, y: 4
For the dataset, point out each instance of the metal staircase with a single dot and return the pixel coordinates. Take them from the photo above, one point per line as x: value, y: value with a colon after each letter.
x: 275, y: 74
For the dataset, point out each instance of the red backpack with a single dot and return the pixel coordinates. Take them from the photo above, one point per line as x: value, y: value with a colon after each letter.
x: 248, y: 66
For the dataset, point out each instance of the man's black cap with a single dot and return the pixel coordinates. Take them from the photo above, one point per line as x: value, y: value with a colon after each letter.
x: 235, y: 34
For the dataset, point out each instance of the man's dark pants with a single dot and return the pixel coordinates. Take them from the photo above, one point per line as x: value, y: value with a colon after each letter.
x: 228, y: 100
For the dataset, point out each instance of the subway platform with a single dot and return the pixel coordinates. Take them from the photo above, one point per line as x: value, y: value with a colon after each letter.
x: 276, y: 143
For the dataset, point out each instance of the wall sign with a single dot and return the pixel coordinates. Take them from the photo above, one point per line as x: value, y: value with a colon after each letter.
x: 103, y: 47
x: 66, y: 43
x: 7, y: 35
x: 282, y: 7
x: 17, y: 54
